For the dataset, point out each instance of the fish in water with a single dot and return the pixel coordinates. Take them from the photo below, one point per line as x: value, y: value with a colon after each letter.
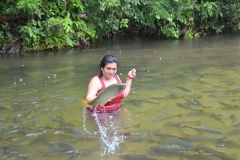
x: 187, y: 106
x: 16, y: 119
x: 106, y: 95
x: 215, y: 116
x: 138, y: 102
x: 200, y: 139
x: 203, y: 128
x: 165, y: 116
x: 183, y: 150
x: 9, y: 151
x: 228, y: 105
x: 66, y: 146
x: 236, y: 125
x: 227, y: 143
x: 233, y: 118
x: 135, y: 157
x: 190, y: 101
x: 2, y: 106
x: 184, y: 89
x: 197, y: 101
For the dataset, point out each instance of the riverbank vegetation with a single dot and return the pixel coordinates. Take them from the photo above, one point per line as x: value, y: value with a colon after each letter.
x: 38, y: 25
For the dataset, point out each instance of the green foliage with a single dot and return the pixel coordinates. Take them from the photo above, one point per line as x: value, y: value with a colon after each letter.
x: 55, y: 33
x: 4, y: 27
x: 1, y: 36
x: 171, y: 17
x: 28, y: 6
x: 50, y: 24
x: 217, y: 16
x: 188, y: 34
x: 55, y: 24
x: 170, y: 31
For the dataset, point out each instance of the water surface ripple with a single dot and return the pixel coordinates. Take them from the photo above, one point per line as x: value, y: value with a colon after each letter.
x: 184, y: 102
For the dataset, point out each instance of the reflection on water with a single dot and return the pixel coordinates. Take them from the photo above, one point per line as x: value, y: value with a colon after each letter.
x: 184, y: 102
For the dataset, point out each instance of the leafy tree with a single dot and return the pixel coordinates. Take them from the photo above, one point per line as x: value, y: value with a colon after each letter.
x: 49, y: 24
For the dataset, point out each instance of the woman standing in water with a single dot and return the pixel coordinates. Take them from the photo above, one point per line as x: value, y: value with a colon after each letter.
x: 108, y: 75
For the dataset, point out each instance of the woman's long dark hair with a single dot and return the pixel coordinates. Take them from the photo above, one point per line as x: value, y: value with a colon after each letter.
x: 107, y: 59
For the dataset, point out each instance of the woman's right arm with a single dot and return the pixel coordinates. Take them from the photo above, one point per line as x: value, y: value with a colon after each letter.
x: 93, y: 87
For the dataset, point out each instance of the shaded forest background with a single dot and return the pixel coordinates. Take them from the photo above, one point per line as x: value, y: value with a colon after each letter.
x: 39, y: 25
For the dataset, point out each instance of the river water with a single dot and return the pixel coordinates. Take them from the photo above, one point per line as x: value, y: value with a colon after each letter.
x: 184, y: 102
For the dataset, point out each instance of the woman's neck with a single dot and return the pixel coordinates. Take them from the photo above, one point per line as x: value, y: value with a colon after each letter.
x: 109, y: 82
x: 106, y: 80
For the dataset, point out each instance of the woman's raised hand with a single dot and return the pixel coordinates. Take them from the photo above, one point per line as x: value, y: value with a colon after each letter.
x: 132, y: 73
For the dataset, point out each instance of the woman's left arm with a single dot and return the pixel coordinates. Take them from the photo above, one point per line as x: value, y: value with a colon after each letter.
x: 129, y: 78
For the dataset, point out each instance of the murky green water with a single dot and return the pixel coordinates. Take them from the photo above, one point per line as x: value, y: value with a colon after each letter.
x: 184, y: 102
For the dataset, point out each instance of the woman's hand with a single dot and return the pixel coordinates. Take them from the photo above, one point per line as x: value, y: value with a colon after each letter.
x: 132, y: 73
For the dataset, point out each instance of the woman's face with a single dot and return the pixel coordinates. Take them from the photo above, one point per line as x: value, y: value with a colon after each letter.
x: 109, y: 71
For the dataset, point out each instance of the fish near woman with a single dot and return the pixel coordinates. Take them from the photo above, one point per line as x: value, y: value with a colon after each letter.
x: 108, y: 76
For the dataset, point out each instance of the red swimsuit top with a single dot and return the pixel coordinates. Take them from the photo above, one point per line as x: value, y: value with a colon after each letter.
x: 117, y: 98
x: 112, y: 105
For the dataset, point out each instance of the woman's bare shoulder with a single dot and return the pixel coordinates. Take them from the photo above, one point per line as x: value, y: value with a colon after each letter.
x: 95, y: 81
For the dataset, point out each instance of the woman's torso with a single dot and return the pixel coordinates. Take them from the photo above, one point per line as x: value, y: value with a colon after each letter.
x: 113, y: 104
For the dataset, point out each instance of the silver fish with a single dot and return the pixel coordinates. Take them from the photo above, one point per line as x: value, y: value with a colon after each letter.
x: 233, y: 118
x: 227, y: 143
x: 16, y: 119
x: 236, y: 125
x: 184, y: 89
x: 132, y: 157
x: 190, y: 101
x: 66, y: 146
x: 197, y: 101
x: 187, y: 106
x: 107, y: 94
x: 165, y: 116
x: 203, y: 128
x: 228, y: 104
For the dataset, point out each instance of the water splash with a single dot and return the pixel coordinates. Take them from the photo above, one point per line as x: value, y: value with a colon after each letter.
x: 109, y: 138
x: 84, y: 120
x: 108, y: 130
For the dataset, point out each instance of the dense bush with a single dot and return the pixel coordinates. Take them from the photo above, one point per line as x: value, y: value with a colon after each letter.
x: 171, y: 19
x: 48, y: 24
